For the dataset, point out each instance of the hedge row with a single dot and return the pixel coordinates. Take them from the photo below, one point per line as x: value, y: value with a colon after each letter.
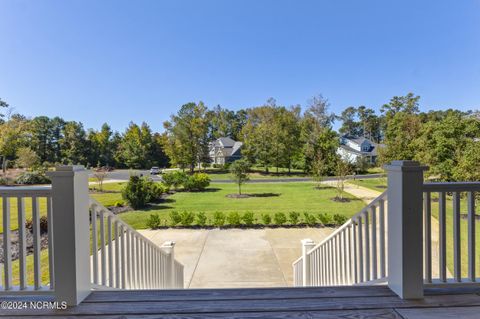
x: 220, y: 219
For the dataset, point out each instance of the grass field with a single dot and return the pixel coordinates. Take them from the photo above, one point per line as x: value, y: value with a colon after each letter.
x: 267, y: 198
x: 376, y: 184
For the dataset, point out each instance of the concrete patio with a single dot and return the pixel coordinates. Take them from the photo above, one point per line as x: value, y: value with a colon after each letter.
x: 237, y: 258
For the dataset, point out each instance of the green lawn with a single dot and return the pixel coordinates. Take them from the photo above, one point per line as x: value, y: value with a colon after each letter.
x: 376, y: 184
x: 269, y: 198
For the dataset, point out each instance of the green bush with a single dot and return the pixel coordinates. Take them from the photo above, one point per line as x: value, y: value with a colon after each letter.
x: 153, y: 221
x: 187, y: 218
x: 266, y: 219
x: 293, y: 217
x: 326, y: 219
x: 218, y: 219
x: 280, y: 218
x: 310, y: 220
x: 248, y: 218
x: 140, y: 191
x: 174, y: 179
x: 201, y: 219
x: 118, y: 204
x: 196, y: 182
x: 339, y: 219
x: 157, y: 190
x: 30, y: 178
x: 3, y: 181
x: 234, y: 219
x: 175, y: 217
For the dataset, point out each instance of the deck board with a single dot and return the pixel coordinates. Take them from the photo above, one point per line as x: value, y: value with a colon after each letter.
x: 329, y: 302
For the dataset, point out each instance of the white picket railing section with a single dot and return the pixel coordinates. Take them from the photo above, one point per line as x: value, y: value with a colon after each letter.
x: 354, y: 253
x: 459, y: 192
x: 106, y: 250
x: 126, y: 259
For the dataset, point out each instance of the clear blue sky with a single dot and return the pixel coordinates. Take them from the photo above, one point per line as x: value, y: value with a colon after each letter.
x: 122, y: 61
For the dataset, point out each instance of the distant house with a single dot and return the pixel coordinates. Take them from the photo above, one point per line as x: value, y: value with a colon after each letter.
x: 225, y: 150
x: 354, y: 148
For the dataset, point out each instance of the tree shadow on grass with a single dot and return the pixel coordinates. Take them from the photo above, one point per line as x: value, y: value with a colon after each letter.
x: 253, y: 195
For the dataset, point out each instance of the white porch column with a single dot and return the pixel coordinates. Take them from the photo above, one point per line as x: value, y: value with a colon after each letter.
x: 71, y: 234
x: 169, y: 248
x: 405, y: 222
x: 307, y: 244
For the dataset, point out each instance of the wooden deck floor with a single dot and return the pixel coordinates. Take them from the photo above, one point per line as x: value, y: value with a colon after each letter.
x: 330, y: 302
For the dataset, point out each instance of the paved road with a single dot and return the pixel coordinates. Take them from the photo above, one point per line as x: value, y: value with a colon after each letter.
x: 123, y: 175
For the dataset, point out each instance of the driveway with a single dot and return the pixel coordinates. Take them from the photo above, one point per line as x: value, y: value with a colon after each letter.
x: 216, y: 258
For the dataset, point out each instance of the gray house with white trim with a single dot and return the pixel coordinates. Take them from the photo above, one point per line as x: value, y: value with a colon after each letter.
x: 225, y: 150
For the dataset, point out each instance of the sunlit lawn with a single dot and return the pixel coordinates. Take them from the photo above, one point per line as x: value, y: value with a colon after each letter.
x: 269, y: 198
x: 376, y: 184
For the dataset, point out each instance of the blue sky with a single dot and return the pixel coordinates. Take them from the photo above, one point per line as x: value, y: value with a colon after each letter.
x: 122, y: 61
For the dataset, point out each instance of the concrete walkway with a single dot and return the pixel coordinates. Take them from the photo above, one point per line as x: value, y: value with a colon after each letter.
x: 237, y: 258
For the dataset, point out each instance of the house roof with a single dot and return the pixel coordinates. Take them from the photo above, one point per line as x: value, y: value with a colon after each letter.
x: 225, y: 142
x: 227, y: 147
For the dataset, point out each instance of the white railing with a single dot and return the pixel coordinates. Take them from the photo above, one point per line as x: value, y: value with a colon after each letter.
x: 354, y: 253
x: 18, y: 203
x: 437, y: 271
x: 86, y: 247
x: 125, y: 259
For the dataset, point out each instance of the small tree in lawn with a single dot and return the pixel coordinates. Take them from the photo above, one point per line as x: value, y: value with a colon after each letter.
x: 100, y: 173
x: 342, y: 170
x: 27, y: 158
x: 239, y: 170
x: 318, y: 169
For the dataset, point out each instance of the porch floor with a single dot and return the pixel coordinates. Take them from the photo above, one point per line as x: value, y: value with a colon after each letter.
x: 325, y: 302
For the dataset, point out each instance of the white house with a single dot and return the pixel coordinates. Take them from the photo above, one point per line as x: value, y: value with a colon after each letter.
x: 225, y: 150
x: 355, y: 148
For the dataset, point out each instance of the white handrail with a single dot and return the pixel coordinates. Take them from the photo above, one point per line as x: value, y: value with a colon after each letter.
x: 123, y: 258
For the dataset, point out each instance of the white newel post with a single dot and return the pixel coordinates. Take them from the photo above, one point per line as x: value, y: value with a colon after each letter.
x: 71, y: 239
x: 405, y: 224
x: 307, y: 245
x: 169, y: 248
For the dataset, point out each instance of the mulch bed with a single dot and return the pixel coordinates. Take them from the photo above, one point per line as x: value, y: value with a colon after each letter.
x: 15, y: 245
x: 340, y: 200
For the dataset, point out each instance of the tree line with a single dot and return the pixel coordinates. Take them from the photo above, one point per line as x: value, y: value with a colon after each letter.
x: 274, y: 135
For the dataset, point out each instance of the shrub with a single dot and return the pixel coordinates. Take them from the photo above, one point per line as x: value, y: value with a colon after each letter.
x: 140, y: 191
x: 234, y: 219
x: 266, y: 219
x: 187, y: 218
x: 325, y: 219
x: 339, y: 219
x: 175, y: 217
x: 43, y: 224
x: 293, y: 217
x: 201, y: 219
x: 153, y: 221
x: 310, y: 220
x: 35, y: 177
x: 196, y: 182
x: 280, y: 218
x: 174, y: 179
x: 248, y: 218
x: 118, y: 204
x: 218, y: 219
x: 3, y: 181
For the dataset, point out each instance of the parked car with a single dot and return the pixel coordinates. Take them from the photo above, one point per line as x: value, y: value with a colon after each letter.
x: 155, y: 170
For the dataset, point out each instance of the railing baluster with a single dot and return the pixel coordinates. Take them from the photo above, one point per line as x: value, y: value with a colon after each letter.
x: 471, y: 235
x: 374, y: 243
x: 345, y: 261
x: 367, y: 247
x: 427, y: 240
x: 123, y: 252
x: 37, y: 276
x: 457, y: 257
x: 7, y: 245
x: 360, y: 249
x: 22, y: 243
x: 117, y: 254
x: 110, y: 251
x: 354, y: 250
x: 442, y: 236
x: 94, y: 243
x: 103, y: 248
x: 51, y: 250
x: 381, y: 220
x: 128, y: 259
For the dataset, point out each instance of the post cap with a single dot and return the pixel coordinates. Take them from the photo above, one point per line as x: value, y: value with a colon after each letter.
x: 168, y: 244
x: 307, y: 242
x: 405, y: 165
x: 66, y: 170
